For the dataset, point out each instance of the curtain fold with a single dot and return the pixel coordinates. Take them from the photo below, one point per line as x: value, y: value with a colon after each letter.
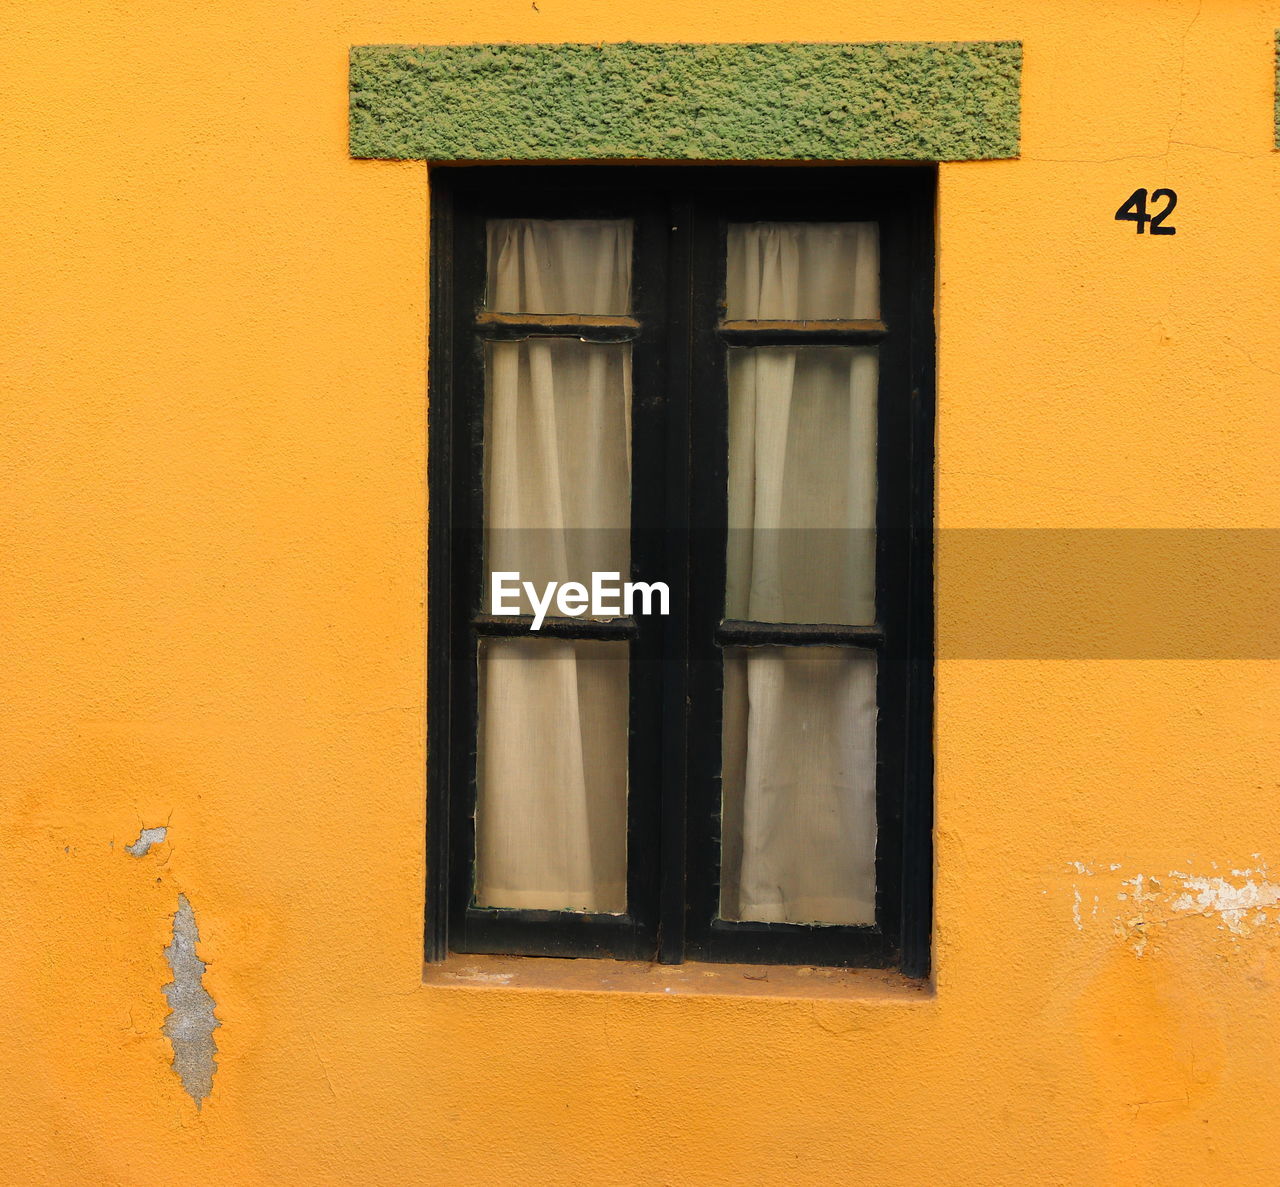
x: 798, y: 757
x: 799, y: 784
x: 557, y: 460
x: 803, y: 271
x: 802, y: 484
x: 559, y: 265
x: 552, y: 747
x: 551, y: 828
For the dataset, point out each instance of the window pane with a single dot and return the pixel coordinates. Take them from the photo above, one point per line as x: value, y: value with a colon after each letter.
x: 799, y: 767
x: 559, y: 265
x: 551, y: 770
x: 802, y: 484
x: 557, y: 461
x: 798, y: 271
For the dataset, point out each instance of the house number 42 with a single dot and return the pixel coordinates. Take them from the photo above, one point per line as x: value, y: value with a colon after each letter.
x: 1134, y: 210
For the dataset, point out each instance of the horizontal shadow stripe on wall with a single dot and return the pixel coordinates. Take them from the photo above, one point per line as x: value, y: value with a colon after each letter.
x: 901, y: 101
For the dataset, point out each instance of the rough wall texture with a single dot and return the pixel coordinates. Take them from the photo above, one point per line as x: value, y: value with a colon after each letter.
x: 214, y: 329
x: 911, y: 102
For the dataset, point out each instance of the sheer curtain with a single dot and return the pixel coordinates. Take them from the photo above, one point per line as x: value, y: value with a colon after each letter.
x: 561, y: 265
x: 552, y: 748
x: 803, y: 271
x: 799, y: 826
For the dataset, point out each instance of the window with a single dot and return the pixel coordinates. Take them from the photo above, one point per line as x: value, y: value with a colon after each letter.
x: 717, y: 380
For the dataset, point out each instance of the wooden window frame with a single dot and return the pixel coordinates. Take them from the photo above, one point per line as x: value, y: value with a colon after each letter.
x: 680, y: 459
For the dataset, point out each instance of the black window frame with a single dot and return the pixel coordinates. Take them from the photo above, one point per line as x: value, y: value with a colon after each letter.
x: 679, y: 442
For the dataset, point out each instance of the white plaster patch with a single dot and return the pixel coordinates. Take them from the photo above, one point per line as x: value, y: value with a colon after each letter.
x: 191, y: 1023
x: 1217, y: 896
x: 483, y: 977
x: 147, y: 838
x: 1241, y: 903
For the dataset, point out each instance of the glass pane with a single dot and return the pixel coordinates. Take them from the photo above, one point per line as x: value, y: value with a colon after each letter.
x: 551, y: 772
x: 557, y: 462
x: 559, y: 265
x: 800, y: 271
x: 799, y: 768
x: 802, y: 484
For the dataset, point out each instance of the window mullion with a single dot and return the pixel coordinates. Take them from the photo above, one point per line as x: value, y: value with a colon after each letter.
x: 517, y: 327
x: 678, y: 397
x: 648, y: 563
x: 737, y: 633
x: 708, y: 429
x: 802, y: 333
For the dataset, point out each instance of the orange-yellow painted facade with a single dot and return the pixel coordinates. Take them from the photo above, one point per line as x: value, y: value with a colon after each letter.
x: 215, y: 334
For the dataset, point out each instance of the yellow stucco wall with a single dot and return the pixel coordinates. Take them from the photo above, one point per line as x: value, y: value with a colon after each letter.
x: 215, y: 339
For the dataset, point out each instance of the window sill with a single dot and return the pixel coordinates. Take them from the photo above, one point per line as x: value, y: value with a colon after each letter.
x: 665, y: 980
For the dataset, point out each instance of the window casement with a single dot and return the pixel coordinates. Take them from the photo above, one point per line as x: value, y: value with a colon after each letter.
x: 719, y: 379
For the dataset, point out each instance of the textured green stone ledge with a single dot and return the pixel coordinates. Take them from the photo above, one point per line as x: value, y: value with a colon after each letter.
x: 907, y: 101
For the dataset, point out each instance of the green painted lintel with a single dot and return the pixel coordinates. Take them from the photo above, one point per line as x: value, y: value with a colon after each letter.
x: 888, y: 101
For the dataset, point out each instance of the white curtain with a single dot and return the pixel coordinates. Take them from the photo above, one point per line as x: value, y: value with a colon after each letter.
x: 799, y: 815
x: 559, y: 265
x: 552, y: 748
x: 802, y: 484
x: 801, y: 271
x: 551, y: 821
x: 799, y: 723
x: 557, y: 460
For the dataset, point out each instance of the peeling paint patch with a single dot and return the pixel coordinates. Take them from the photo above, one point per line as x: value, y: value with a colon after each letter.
x: 1216, y: 896
x: 1147, y: 903
x: 147, y: 838
x: 191, y: 1025
x: 486, y: 978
